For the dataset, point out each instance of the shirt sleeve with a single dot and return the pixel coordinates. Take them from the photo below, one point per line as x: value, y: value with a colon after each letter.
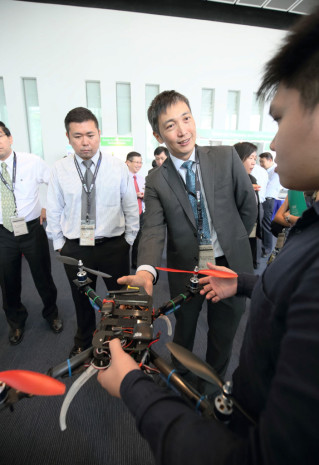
x: 55, y: 206
x: 129, y: 206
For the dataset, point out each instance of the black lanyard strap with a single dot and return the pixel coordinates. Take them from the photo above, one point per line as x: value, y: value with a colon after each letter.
x: 88, y: 189
x: 198, y: 197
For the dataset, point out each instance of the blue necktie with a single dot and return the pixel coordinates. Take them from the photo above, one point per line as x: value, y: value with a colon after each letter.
x: 190, y: 184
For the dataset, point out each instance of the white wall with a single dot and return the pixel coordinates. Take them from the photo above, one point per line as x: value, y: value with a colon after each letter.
x: 64, y: 46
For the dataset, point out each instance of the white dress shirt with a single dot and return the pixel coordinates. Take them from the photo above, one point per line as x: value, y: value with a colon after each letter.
x: 261, y: 176
x: 273, y: 186
x: 116, y: 202
x: 31, y: 172
x: 218, y: 252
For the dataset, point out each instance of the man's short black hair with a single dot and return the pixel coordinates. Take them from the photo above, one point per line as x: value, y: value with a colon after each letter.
x: 160, y: 150
x: 131, y: 155
x: 267, y: 155
x: 245, y: 149
x: 296, y: 65
x: 5, y: 129
x: 160, y: 103
x: 79, y: 115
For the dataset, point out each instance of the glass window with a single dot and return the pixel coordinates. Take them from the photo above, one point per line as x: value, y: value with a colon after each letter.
x: 233, y: 99
x: 151, y: 90
x: 3, y: 104
x: 93, y: 99
x: 256, y: 117
x: 207, y: 109
x: 33, y: 115
x: 123, y: 106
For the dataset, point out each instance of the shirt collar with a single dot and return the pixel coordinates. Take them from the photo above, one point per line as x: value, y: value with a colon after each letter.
x: 9, y: 161
x: 94, y: 158
x: 178, y: 162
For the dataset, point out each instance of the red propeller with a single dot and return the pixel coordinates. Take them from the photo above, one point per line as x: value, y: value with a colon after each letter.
x: 215, y: 273
x: 31, y: 382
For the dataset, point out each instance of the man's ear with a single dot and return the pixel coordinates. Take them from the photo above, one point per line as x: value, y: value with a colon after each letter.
x: 67, y: 135
x: 158, y: 137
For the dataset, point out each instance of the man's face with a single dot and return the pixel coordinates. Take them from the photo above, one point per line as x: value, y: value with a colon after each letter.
x: 135, y: 164
x: 265, y: 163
x: 5, y: 145
x: 297, y: 140
x: 177, y: 130
x: 84, y: 138
x: 160, y: 158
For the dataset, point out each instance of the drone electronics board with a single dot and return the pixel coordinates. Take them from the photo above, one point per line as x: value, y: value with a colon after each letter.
x: 129, y: 317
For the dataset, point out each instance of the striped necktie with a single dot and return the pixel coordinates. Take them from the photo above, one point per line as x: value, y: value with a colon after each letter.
x: 190, y: 184
x: 7, y: 199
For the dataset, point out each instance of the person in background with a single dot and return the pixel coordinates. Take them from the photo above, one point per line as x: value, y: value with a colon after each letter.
x: 160, y: 154
x: 261, y: 176
x: 134, y: 163
x: 248, y: 155
x: 21, y: 232
x: 277, y: 380
x: 92, y: 214
x: 272, y: 192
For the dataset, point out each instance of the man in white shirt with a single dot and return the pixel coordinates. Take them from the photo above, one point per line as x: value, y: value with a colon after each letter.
x: 21, y: 232
x: 92, y: 214
x: 262, y: 180
x: 134, y: 163
x: 272, y: 192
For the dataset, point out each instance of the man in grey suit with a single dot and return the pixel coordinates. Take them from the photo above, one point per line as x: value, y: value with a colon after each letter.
x: 208, y: 208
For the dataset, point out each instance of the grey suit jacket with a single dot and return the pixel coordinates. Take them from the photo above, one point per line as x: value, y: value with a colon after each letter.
x: 232, y: 207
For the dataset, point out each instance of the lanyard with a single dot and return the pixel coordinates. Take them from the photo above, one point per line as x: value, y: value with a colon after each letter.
x: 88, y: 189
x: 197, y: 195
x: 11, y: 189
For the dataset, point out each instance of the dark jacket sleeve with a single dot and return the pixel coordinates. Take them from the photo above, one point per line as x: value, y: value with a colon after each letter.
x: 246, y: 284
x: 288, y: 425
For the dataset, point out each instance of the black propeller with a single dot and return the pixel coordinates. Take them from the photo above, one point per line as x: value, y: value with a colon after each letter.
x: 195, y: 364
x: 204, y: 371
x: 75, y: 262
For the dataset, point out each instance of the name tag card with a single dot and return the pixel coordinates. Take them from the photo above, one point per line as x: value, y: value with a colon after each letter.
x: 19, y: 226
x: 206, y: 254
x: 87, y: 233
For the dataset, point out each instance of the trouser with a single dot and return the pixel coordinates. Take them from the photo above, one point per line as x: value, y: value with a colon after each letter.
x: 35, y: 248
x: 111, y: 257
x: 222, y: 318
x: 267, y: 237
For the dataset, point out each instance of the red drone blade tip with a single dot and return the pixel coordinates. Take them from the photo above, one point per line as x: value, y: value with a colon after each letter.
x: 32, y: 382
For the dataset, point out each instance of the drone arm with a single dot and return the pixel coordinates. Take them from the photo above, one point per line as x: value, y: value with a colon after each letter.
x: 173, y: 378
x: 174, y: 304
x: 70, y: 364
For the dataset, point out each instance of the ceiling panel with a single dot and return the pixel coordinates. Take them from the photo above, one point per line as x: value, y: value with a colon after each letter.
x: 302, y: 7
x: 305, y: 7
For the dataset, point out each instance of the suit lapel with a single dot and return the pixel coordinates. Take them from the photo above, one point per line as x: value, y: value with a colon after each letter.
x: 176, y: 184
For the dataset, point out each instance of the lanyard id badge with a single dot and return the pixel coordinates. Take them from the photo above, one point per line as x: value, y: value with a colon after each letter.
x: 19, y: 225
x: 87, y: 233
x: 206, y: 254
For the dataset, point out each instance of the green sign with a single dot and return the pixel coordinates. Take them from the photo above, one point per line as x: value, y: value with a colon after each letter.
x: 117, y: 141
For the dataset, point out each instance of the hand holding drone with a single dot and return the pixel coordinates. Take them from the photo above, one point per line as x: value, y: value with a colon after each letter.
x: 127, y: 315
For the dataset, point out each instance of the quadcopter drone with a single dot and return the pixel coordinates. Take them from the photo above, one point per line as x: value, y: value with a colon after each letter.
x: 128, y: 314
